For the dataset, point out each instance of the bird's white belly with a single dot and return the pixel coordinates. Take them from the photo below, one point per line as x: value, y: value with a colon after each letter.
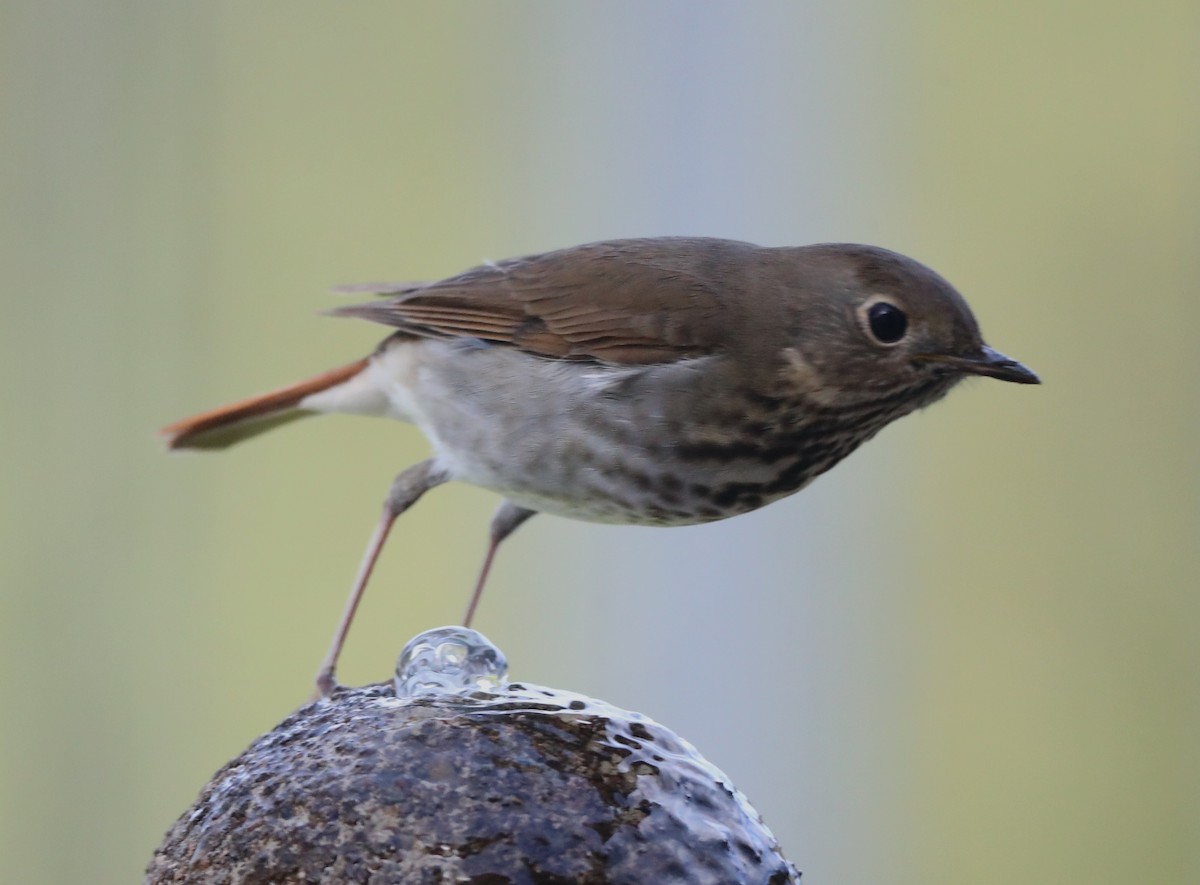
x: 544, y: 434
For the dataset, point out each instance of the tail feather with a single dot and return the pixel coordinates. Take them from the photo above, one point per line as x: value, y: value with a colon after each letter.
x: 224, y: 426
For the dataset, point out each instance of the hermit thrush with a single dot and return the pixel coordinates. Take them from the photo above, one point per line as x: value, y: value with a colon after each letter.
x: 668, y: 381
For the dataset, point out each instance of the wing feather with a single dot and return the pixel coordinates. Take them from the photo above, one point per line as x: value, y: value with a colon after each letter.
x: 621, y: 301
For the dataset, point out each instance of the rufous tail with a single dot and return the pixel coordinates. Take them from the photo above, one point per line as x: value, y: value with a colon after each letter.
x: 220, y: 428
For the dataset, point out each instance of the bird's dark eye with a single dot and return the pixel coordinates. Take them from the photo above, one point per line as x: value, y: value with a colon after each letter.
x: 888, y: 323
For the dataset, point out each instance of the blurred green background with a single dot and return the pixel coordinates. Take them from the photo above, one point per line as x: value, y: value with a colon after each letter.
x: 967, y: 655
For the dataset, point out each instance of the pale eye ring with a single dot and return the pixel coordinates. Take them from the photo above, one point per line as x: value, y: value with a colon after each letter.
x: 886, y: 323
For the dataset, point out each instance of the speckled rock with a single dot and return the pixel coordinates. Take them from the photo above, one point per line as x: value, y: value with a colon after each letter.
x: 518, y: 785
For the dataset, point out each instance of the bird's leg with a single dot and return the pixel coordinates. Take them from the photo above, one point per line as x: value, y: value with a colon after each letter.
x: 406, y: 489
x: 506, y: 521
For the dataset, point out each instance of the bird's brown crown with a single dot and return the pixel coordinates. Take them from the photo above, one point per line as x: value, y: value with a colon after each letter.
x: 864, y: 322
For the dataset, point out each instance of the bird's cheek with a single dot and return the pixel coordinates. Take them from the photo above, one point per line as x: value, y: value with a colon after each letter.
x: 799, y: 376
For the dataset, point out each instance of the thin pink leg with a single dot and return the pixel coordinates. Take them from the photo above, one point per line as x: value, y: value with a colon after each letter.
x: 504, y: 523
x: 406, y: 489
x: 325, y: 679
x: 482, y: 579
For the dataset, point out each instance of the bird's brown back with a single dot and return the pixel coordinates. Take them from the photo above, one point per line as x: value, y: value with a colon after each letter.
x: 622, y: 302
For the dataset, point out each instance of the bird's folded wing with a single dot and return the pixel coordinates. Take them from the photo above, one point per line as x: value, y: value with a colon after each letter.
x: 625, y: 302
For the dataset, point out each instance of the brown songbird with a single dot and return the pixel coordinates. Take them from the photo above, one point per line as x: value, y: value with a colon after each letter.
x: 663, y: 382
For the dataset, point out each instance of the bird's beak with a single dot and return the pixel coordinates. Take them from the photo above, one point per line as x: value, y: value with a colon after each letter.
x: 988, y: 362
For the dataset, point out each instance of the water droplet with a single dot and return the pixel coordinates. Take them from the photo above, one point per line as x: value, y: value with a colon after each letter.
x: 449, y: 659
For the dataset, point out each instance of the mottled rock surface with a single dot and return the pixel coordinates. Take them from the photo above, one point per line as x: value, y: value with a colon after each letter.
x: 518, y: 785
